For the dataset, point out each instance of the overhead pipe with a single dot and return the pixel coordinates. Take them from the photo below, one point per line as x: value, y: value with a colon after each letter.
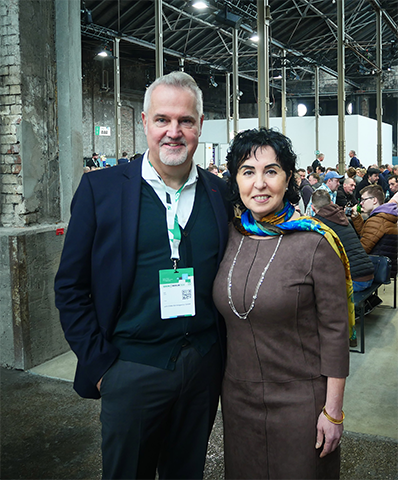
x: 283, y: 92
x: 159, y: 37
x: 379, y: 83
x: 235, y: 82
x: 263, y: 17
x: 341, y: 92
x: 317, y: 108
x: 117, y: 99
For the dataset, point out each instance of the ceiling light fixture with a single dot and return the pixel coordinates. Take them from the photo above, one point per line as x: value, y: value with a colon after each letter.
x: 301, y: 109
x: 200, y: 5
x: 105, y: 53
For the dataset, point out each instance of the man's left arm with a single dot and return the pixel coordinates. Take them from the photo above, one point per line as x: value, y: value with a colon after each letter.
x: 371, y: 234
x: 74, y: 293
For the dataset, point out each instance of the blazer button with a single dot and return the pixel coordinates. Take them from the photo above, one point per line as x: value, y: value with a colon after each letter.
x: 173, y: 359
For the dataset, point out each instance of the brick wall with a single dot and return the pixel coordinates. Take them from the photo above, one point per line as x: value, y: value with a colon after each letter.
x: 29, y: 167
x: 12, y: 205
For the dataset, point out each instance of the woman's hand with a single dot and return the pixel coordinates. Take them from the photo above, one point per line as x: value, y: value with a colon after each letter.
x: 328, y: 435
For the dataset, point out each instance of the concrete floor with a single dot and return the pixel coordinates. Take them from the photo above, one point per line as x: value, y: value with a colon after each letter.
x: 48, y: 432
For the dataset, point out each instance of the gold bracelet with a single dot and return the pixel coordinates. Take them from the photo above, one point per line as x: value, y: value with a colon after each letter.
x: 331, y: 419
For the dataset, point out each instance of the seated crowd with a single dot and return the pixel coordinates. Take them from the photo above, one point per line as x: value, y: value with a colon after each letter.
x: 361, y: 207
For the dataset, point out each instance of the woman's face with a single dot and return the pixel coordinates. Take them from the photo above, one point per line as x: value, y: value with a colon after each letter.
x: 262, y: 183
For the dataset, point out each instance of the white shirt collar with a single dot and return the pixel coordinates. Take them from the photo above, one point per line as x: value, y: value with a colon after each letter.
x: 151, y: 175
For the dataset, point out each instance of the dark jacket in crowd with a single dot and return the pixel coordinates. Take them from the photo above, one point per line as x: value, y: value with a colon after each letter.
x: 306, y: 191
x: 379, y: 233
x: 354, y: 162
x: 360, y: 265
x: 362, y: 184
x: 344, y: 198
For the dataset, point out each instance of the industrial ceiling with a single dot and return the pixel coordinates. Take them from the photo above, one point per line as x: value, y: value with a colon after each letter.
x: 306, y: 29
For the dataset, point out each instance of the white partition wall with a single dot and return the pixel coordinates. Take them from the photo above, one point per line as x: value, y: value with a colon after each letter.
x: 360, y: 133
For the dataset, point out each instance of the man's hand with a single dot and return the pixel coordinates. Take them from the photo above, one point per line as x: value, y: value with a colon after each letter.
x: 99, y: 384
x: 354, y: 211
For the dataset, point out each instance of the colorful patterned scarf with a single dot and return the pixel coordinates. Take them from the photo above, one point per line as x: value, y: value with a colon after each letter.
x: 278, y: 224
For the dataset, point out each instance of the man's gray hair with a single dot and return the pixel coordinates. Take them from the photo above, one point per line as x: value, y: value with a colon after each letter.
x: 176, y: 79
x: 347, y: 180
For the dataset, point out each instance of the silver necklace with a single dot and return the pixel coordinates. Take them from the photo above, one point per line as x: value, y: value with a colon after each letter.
x: 244, y: 315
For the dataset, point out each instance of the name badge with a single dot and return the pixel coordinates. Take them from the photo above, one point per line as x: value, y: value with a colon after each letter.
x: 177, y: 293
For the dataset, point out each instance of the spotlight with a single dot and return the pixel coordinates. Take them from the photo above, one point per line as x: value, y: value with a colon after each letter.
x: 301, y: 109
x: 105, y: 53
x: 254, y: 37
x: 200, y: 5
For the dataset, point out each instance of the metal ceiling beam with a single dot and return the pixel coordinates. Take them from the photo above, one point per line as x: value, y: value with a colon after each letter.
x: 96, y: 31
x: 354, y: 46
x: 273, y: 42
x: 386, y: 16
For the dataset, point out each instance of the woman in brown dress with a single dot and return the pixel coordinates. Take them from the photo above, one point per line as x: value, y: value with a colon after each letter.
x: 281, y: 289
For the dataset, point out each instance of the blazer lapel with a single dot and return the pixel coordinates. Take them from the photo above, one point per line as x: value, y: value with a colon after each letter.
x: 218, y: 205
x: 130, y: 210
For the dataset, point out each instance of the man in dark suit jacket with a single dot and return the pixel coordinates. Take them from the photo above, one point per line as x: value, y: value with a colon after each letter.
x: 153, y: 226
x: 124, y: 158
x: 93, y: 162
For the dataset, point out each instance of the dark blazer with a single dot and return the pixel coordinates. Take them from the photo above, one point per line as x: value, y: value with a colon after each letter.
x: 122, y: 160
x: 98, y: 261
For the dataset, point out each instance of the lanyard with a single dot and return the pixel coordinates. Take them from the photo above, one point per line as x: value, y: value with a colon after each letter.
x: 173, y: 227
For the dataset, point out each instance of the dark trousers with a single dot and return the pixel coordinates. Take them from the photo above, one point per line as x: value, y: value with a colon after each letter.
x: 154, y: 418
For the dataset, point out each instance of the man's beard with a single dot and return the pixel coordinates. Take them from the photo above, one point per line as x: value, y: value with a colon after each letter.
x: 173, y: 159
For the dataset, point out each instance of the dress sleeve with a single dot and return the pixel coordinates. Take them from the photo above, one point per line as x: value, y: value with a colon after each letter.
x: 332, y: 310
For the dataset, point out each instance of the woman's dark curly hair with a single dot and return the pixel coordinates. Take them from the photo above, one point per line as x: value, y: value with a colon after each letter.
x: 246, y: 144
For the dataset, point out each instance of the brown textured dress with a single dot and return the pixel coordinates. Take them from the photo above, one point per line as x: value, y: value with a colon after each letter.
x: 278, y: 360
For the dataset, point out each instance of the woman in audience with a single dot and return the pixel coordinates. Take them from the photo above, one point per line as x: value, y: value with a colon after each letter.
x: 282, y: 291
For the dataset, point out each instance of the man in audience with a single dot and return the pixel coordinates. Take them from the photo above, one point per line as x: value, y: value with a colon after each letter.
x: 345, y: 193
x: 370, y: 178
x: 361, y: 266
x: 305, y: 187
x: 302, y: 173
x: 124, y: 158
x: 354, y: 162
x: 378, y: 234
x: 213, y: 169
x: 93, y: 162
x: 393, y: 185
x: 333, y: 216
x: 321, y: 172
x: 314, y: 180
x: 330, y: 185
x: 317, y: 162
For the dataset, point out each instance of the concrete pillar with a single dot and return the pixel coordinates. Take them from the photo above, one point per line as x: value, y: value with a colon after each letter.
x: 41, y: 164
x: 69, y: 89
x: 341, y: 82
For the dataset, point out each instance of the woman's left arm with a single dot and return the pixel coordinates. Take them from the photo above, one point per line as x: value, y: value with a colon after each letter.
x: 329, y: 433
